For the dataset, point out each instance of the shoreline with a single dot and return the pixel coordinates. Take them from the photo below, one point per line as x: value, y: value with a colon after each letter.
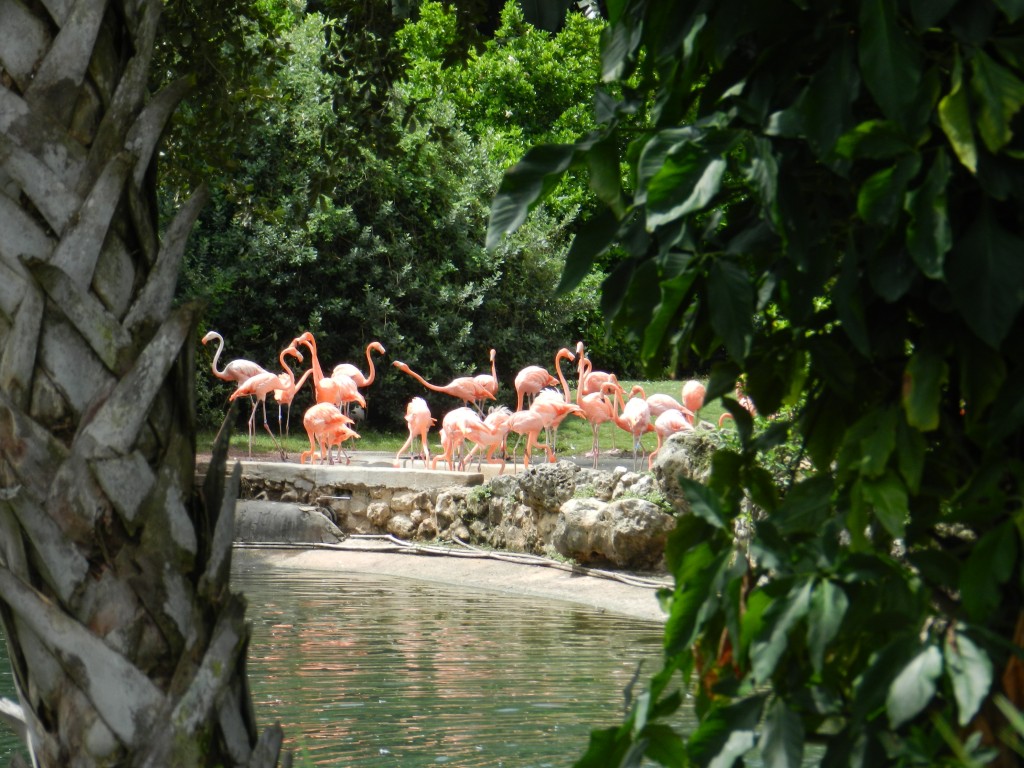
x: 474, y: 573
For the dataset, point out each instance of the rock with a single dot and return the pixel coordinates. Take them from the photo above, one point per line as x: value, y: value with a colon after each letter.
x: 401, y: 525
x: 629, y: 533
x: 378, y: 513
x: 685, y: 454
x: 546, y: 487
x: 283, y: 522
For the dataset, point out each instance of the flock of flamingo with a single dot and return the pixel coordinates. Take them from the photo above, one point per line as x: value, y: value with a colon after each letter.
x: 599, y: 399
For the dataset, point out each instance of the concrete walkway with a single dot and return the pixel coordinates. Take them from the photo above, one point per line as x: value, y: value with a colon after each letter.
x: 472, y: 570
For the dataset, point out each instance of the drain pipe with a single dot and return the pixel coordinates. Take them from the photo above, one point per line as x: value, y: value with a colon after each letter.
x: 406, y: 547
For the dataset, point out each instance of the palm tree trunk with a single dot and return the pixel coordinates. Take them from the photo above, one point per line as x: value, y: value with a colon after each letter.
x: 127, y: 645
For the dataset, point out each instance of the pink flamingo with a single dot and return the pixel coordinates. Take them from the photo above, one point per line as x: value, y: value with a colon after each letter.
x: 488, y: 381
x: 326, y: 388
x: 347, y: 392
x: 530, y: 381
x: 556, y: 407
x: 635, y: 419
x: 284, y: 397
x: 347, y: 369
x: 419, y: 421
x: 668, y: 423
x: 324, y: 423
x: 453, y: 434
x: 237, y: 370
x: 598, y: 408
x: 490, y: 436
x: 744, y: 400
x: 589, y: 381
x: 463, y: 388
x: 660, y: 403
x: 693, y: 395
x: 531, y: 424
x: 261, y: 385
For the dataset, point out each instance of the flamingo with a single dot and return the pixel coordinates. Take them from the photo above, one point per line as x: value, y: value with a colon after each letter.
x: 744, y: 400
x: 598, y: 408
x: 285, y: 397
x: 668, y: 423
x: 488, y: 381
x: 589, y: 381
x: 463, y: 388
x: 531, y: 380
x: 556, y: 406
x: 491, y: 436
x: 261, y: 385
x: 326, y: 388
x: 323, y: 422
x: 419, y: 421
x: 635, y: 419
x: 693, y: 395
x: 237, y: 370
x: 347, y: 392
x: 660, y: 403
x: 453, y: 434
x: 529, y: 423
x: 361, y: 381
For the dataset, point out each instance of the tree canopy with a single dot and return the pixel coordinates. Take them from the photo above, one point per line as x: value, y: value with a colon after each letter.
x: 827, y: 199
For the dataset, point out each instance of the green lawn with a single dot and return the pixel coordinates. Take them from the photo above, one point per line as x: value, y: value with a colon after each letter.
x: 574, y: 435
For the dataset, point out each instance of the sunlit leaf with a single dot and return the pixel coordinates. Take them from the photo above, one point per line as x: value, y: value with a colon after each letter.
x: 970, y: 671
x: 999, y: 95
x: 726, y: 733
x: 925, y: 377
x: 955, y: 119
x: 914, y: 687
x: 686, y: 182
x: 779, y: 620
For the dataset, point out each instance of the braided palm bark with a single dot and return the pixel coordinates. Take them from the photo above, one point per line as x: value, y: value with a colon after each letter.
x: 127, y: 645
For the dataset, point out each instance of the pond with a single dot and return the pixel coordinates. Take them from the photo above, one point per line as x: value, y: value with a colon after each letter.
x: 377, y: 670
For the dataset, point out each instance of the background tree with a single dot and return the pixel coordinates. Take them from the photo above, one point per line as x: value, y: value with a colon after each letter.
x: 832, y: 194
x: 359, y: 230
x: 126, y: 643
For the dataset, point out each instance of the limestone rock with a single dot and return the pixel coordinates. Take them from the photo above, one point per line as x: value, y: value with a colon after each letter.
x: 283, y: 522
x: 628, y: 533
x: 685, y: 454
x: 546, y: 487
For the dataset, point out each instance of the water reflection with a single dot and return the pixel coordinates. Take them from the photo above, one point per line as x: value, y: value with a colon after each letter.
x: 374, y: 670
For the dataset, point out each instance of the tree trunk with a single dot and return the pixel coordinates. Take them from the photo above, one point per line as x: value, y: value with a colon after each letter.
x: 127, y: 645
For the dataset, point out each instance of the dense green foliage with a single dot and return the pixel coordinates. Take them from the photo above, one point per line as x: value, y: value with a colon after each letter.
x: 834, y: 194
x: 355, y: 198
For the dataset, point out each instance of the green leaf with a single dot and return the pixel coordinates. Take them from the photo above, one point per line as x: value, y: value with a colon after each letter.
x: 782, y: 737
x: 524, y: 184
x: 881, y: 196
x: 664, y: 745
x: 988, y: 567
x: 605, y: 175
x: 985, y: 274
x: 888, y: 498
x: 926, y: 13
x: 779, y: 619
x: 914, y: 687
x: 910, y: 455
x: 726, y: 733
x: 873, y: 139
x: 955, y: 119
x: 890, y: 62
x: 828, y: 607
x: 1012, y: 9
x: 590, y: 242
x: 999, y: 95
x: 703, y: 502
x: 807, y: 505
x: 673, y: 292
x: 970, y: 671
x: 924, y: 379
x: 929, y: 235
x: 686, y: 182
x: 731, y: 301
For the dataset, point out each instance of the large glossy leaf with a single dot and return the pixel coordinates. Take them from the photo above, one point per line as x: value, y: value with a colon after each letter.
x: 970, y: 671
x: 888, y: 499
x: 726, y: 733
x: 525, y: 184
x: 999, y: 95
x: 828, y: 607
x: 731, y: 299
x: 986, y: 277
x: 889, y: 59
x: 779, y: 620
x: 955, y: 119
x: 591, y: 241
x: 929, y: 235
x: 1013, y: 9
x: 686, y: 182
x: 806, y: 506
x: 929, y: 12
x: 987, y: 568
x: 914, y: 686
x: 925, y: 378
x: 881, y: 196
x: 782, y: 737
x: 673, y: 292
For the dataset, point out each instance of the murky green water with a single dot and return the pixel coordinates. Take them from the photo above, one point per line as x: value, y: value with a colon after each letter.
x: 371, y: 670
